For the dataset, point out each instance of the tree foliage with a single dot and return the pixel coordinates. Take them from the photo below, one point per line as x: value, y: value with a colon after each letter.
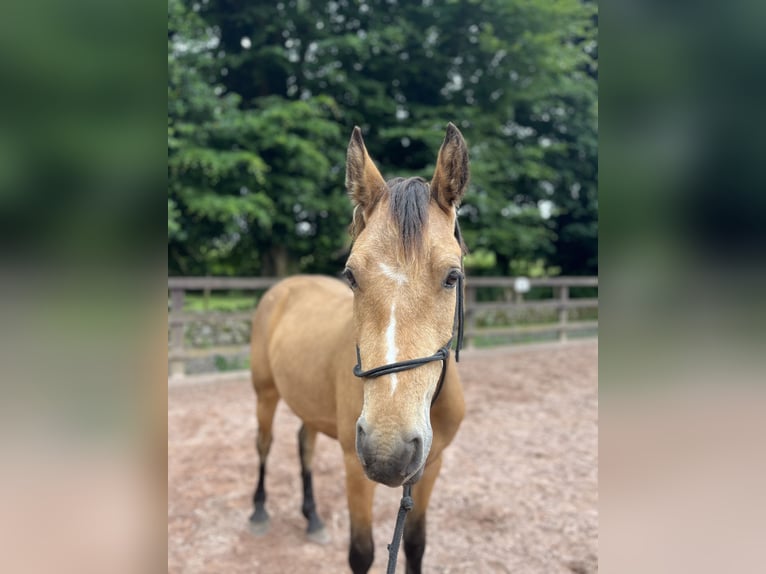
x: 263, y: 95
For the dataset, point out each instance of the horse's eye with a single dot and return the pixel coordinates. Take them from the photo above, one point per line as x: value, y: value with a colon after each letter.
x: 349, y: 275
x: 451, y: 280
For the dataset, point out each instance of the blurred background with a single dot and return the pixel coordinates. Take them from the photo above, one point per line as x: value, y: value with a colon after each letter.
x: 682, y: 205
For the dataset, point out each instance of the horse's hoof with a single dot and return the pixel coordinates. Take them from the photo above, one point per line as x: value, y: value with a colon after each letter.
x: 258, y: 528
x: 259, y: 523
x: 319, y: 536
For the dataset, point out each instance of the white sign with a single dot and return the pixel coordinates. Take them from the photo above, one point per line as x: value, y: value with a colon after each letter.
x: 521, y: 285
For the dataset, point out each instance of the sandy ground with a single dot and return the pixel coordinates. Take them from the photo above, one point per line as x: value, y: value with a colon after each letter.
x: 518, y: 490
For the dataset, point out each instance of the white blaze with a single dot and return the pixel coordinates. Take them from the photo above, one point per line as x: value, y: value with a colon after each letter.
x: 391, y: 350
x: 392, y: 273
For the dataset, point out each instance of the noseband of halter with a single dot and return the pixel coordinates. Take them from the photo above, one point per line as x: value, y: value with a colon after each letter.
x: 441, y: 355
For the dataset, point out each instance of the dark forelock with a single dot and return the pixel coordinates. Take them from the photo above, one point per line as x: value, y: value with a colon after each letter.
x: 409, y: 199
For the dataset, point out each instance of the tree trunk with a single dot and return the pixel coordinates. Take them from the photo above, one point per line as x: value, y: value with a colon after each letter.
x: 277, y: 262
x: 502, y: 263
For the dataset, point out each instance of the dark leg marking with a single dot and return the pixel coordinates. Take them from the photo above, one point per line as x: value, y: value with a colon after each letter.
x: 259, y: 519
x: 265, y: 408
x: 361, y: 551
x: 309, y: 506
x: 315, y: 528
x: 415, y: 543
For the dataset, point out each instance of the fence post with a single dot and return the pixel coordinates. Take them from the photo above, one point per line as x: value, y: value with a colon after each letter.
x: 470, y: 316
x: 206, y: 296
x: 563, y: 312
x: 176, y: 332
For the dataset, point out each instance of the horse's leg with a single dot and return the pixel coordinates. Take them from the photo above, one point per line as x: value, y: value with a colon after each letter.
x: 415, y: 523
x: 316, y: 531
x: 359, y: 492
x: 267, y: 406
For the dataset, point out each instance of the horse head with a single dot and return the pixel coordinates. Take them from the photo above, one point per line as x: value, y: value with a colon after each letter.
x: 405, y: 270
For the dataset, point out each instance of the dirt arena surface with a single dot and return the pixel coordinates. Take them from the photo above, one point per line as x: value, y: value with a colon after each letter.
x: 518, y: 490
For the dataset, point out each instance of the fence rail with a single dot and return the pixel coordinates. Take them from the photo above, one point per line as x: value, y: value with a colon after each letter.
x: 513, y: 302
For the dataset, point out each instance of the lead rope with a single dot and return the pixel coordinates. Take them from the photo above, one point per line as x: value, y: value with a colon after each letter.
x: 393, y: 549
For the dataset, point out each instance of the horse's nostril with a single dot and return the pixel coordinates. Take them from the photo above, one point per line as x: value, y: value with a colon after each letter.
x: 362, y: 449
x: 415, y: 450
x: 360, y: 432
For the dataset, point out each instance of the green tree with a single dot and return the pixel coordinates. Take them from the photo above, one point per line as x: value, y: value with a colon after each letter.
x: 517, y: 76
x: 250, y: 190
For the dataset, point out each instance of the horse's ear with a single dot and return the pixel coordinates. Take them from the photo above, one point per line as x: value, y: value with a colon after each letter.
x: 451, y: 175
x: 364, y: 183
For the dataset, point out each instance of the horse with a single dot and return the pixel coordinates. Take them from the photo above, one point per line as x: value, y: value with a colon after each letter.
x: 311, y: 336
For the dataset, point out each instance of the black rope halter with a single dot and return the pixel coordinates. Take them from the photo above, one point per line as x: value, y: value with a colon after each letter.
x: 441, y: 355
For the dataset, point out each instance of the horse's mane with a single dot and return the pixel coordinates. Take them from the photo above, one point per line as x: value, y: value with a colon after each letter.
x: 408, y: 202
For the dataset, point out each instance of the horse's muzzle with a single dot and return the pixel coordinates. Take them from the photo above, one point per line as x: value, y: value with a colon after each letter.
x: 390, y: 462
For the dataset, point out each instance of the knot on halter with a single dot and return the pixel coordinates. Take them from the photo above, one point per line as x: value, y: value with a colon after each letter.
x: 406, y: 503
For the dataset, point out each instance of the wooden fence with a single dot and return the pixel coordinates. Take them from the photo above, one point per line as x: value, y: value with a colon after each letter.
x: 478, y: 311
